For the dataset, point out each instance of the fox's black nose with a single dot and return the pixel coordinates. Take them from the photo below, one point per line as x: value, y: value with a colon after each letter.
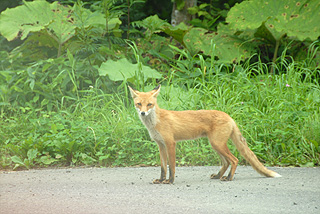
x: 143, y: 113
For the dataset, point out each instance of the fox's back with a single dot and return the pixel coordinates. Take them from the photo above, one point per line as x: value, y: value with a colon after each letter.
x: 191, y: 124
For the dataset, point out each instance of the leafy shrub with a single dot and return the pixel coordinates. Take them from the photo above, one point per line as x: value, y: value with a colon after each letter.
x: 290, y: 19
x: 55, y: 23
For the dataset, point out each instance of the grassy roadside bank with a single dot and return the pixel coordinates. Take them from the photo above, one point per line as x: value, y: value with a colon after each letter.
x: 278, y: 114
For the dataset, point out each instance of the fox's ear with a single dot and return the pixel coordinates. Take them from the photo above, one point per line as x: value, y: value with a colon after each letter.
x: 156, y: 91
x: 134, y: 93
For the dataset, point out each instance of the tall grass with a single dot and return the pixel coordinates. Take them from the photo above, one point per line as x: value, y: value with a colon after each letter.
x: 278, y: 114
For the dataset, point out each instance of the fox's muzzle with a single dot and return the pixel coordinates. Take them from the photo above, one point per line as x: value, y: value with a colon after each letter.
x: 144, y: 113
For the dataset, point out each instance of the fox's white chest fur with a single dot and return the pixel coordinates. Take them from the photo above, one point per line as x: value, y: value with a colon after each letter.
x: 150, y: 121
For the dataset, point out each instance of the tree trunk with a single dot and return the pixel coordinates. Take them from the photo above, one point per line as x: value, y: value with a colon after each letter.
x: 182, y: 15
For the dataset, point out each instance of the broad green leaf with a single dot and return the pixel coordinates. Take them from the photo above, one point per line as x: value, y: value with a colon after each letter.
x: 122, y: 70
x: 35, y: 16
x: 177, y: 32
x: 89, y: 18
x: 59, y: 156
x: 30, y: 17
x: 298, y: 19
x: 47, y: 160
x: 117, y: 70
x: 32, y: 154
x: 17, y: 160
x: 86, y: 159
x: 154, y: 24
x: 228, y: 48
x: 113, y: 23
x: 308, y: 164
x: 150, y: 73
x: 194, y: 40
x: 62, y: 27
x: 57, y: 20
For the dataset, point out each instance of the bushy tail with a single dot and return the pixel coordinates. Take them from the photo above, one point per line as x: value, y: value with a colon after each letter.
x: 245, y: 151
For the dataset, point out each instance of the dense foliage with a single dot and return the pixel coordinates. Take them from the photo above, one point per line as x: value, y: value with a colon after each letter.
x: 65, y: 67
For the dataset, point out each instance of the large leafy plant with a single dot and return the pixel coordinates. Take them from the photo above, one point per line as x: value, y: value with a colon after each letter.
x: 246, y: 29
x: 51, y: 21
x: 153, y: 24
x: 33, y: 76
x: 222, y: 44
x: 273, y: 20
x: 229, y: 48
x: 295, y: 18
x: 123, y: 70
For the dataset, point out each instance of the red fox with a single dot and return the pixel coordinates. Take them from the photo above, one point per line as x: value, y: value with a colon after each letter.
x: 167, y: 127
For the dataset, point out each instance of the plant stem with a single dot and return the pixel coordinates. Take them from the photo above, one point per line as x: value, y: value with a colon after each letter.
x: 128, y: 1
x: 275, y: 54
x: 59, y: 50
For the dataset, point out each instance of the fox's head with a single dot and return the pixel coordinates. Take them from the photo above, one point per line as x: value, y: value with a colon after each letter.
x: 145, y: 102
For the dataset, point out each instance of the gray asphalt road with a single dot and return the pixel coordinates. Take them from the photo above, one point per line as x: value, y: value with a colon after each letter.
x: 129, y: 190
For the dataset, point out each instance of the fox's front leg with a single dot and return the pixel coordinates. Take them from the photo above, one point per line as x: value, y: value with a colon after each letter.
x: 163, y: 159
x: 171, y: 151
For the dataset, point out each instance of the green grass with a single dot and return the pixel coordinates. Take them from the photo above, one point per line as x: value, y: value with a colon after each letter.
x: 278, y: 114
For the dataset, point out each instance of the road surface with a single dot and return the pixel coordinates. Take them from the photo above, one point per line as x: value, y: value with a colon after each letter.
x: 130, y: 190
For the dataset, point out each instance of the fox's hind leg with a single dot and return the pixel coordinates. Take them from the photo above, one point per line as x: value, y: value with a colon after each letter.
x: 219, y: 144
x: 225, y: 165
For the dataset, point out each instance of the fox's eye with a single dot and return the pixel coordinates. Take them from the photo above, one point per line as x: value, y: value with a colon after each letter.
x: 149, y: 104
x: 139, y: 104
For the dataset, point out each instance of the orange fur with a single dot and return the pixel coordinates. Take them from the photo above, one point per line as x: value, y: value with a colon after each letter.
x: 167, y: 127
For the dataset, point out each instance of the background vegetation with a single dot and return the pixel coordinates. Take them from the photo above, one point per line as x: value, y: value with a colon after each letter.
x: 64, y: 72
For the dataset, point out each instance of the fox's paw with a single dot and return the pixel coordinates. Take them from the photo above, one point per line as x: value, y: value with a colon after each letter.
x: 215, y: 176
x: 162, y: 181
x: 225, y: 178
x: 167, y: 181
x: 157, y: 181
